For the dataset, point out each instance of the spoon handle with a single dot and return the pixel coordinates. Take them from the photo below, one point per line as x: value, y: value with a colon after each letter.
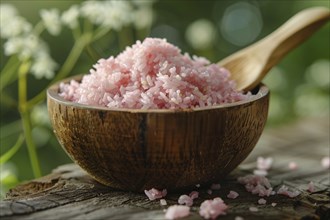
x: 295, y: 31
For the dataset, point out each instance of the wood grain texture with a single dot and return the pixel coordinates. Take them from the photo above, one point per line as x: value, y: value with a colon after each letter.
x: 69, y: 193
x: 173, y: 149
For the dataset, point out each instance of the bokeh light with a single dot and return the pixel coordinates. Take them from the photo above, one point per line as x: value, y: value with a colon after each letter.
x: 241, y: 23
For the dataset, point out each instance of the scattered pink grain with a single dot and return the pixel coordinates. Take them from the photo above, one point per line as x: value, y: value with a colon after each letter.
x: 311, y: 187
x: 262, y: 201
x: 253, y: 209
x: 155, y: 193
x: 256, y: 185
x: 163, y: 202
x: 215, y: 186
x: 264, y: 163
x: 293, y: 165
x: 284, y: 190
x: 274, y: 204
x: 185, y: 200
x: 239, y: 218
x: 194, y: 195
x: 153, y: 74
x: 209, y: 192
x: 325, y: 162
x: 211, y: 209
x: 177, y: 211
x: 232, y: 195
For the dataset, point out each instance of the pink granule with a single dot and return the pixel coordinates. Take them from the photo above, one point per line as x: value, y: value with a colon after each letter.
x: 262, y: 201
x: 325, y: 162
x: 311, y: 187
x: 256, y: 185
x: 185, y: 200
x: 293, y: 165
x: 194, y: 195
x: 153, y: 74
x: 211, y: 209
x: 177, y: 211
x: 264, y: 163
x: 162, y: 202
x: 155, y: 193
x: 232, y: 195
x: 284, y: 190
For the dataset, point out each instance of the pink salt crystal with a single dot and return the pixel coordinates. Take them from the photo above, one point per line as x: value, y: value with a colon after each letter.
x: 232, y: 195
x: 325, y: 162
x: 215, y: 186
x: 293, y: 166
x: 311, y: 187
x: 155, y: 193
x: 262, y: 201
x: 153, y: 74
x: 264, y: 163
x: 209, y: 191
x: 185, y: 200
x: 177, y: 211
x: 253, y: 209
x: 211, y: 209
x: 284, y: 190
x: 163, y: 202
x: 256, y: 185
x: 194, y: 195
x: 198, y: 185
x: 274, y: 204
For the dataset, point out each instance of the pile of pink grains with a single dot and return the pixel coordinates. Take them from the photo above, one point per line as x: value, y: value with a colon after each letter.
x: 153, y: 74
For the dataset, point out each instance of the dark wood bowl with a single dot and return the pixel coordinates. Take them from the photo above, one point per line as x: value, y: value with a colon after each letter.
x: 173, y: 149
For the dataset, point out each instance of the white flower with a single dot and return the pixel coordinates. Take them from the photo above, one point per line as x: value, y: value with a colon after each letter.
x: 39, y: 115
x: 11, y: 24
x: 143, y: 17
x: 24, y: 46
x: 91, y: 10
x: 51, y: 19
x: 43, y: 66
x: 7, y: 12
x: 200, y: 34
x: 13, y: 46
x: 110, y: 14
x: 70, y: 17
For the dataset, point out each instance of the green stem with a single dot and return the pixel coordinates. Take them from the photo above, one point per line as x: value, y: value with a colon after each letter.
x: 100, y: 32
x: 39, y: 28
x: 25, y: 115
x: 7, y: 74
x: 12, y: 151
x: 92, y: 53
x: 68, y: 65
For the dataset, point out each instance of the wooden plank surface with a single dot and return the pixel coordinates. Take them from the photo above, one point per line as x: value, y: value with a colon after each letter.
x: 69, y: 193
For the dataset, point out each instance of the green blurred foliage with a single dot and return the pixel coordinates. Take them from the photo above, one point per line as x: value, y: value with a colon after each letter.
x: 299, y: 84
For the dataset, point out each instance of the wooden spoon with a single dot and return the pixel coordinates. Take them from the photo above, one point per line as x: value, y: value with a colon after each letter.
x: 250, y: 65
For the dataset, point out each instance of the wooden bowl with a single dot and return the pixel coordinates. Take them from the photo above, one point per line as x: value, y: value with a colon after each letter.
x: 173, y: 149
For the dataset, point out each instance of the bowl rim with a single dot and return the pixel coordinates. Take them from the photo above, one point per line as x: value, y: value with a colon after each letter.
x: 52, y: 93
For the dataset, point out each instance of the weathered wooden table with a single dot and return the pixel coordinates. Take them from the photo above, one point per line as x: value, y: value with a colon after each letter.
x: 68, y: 193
